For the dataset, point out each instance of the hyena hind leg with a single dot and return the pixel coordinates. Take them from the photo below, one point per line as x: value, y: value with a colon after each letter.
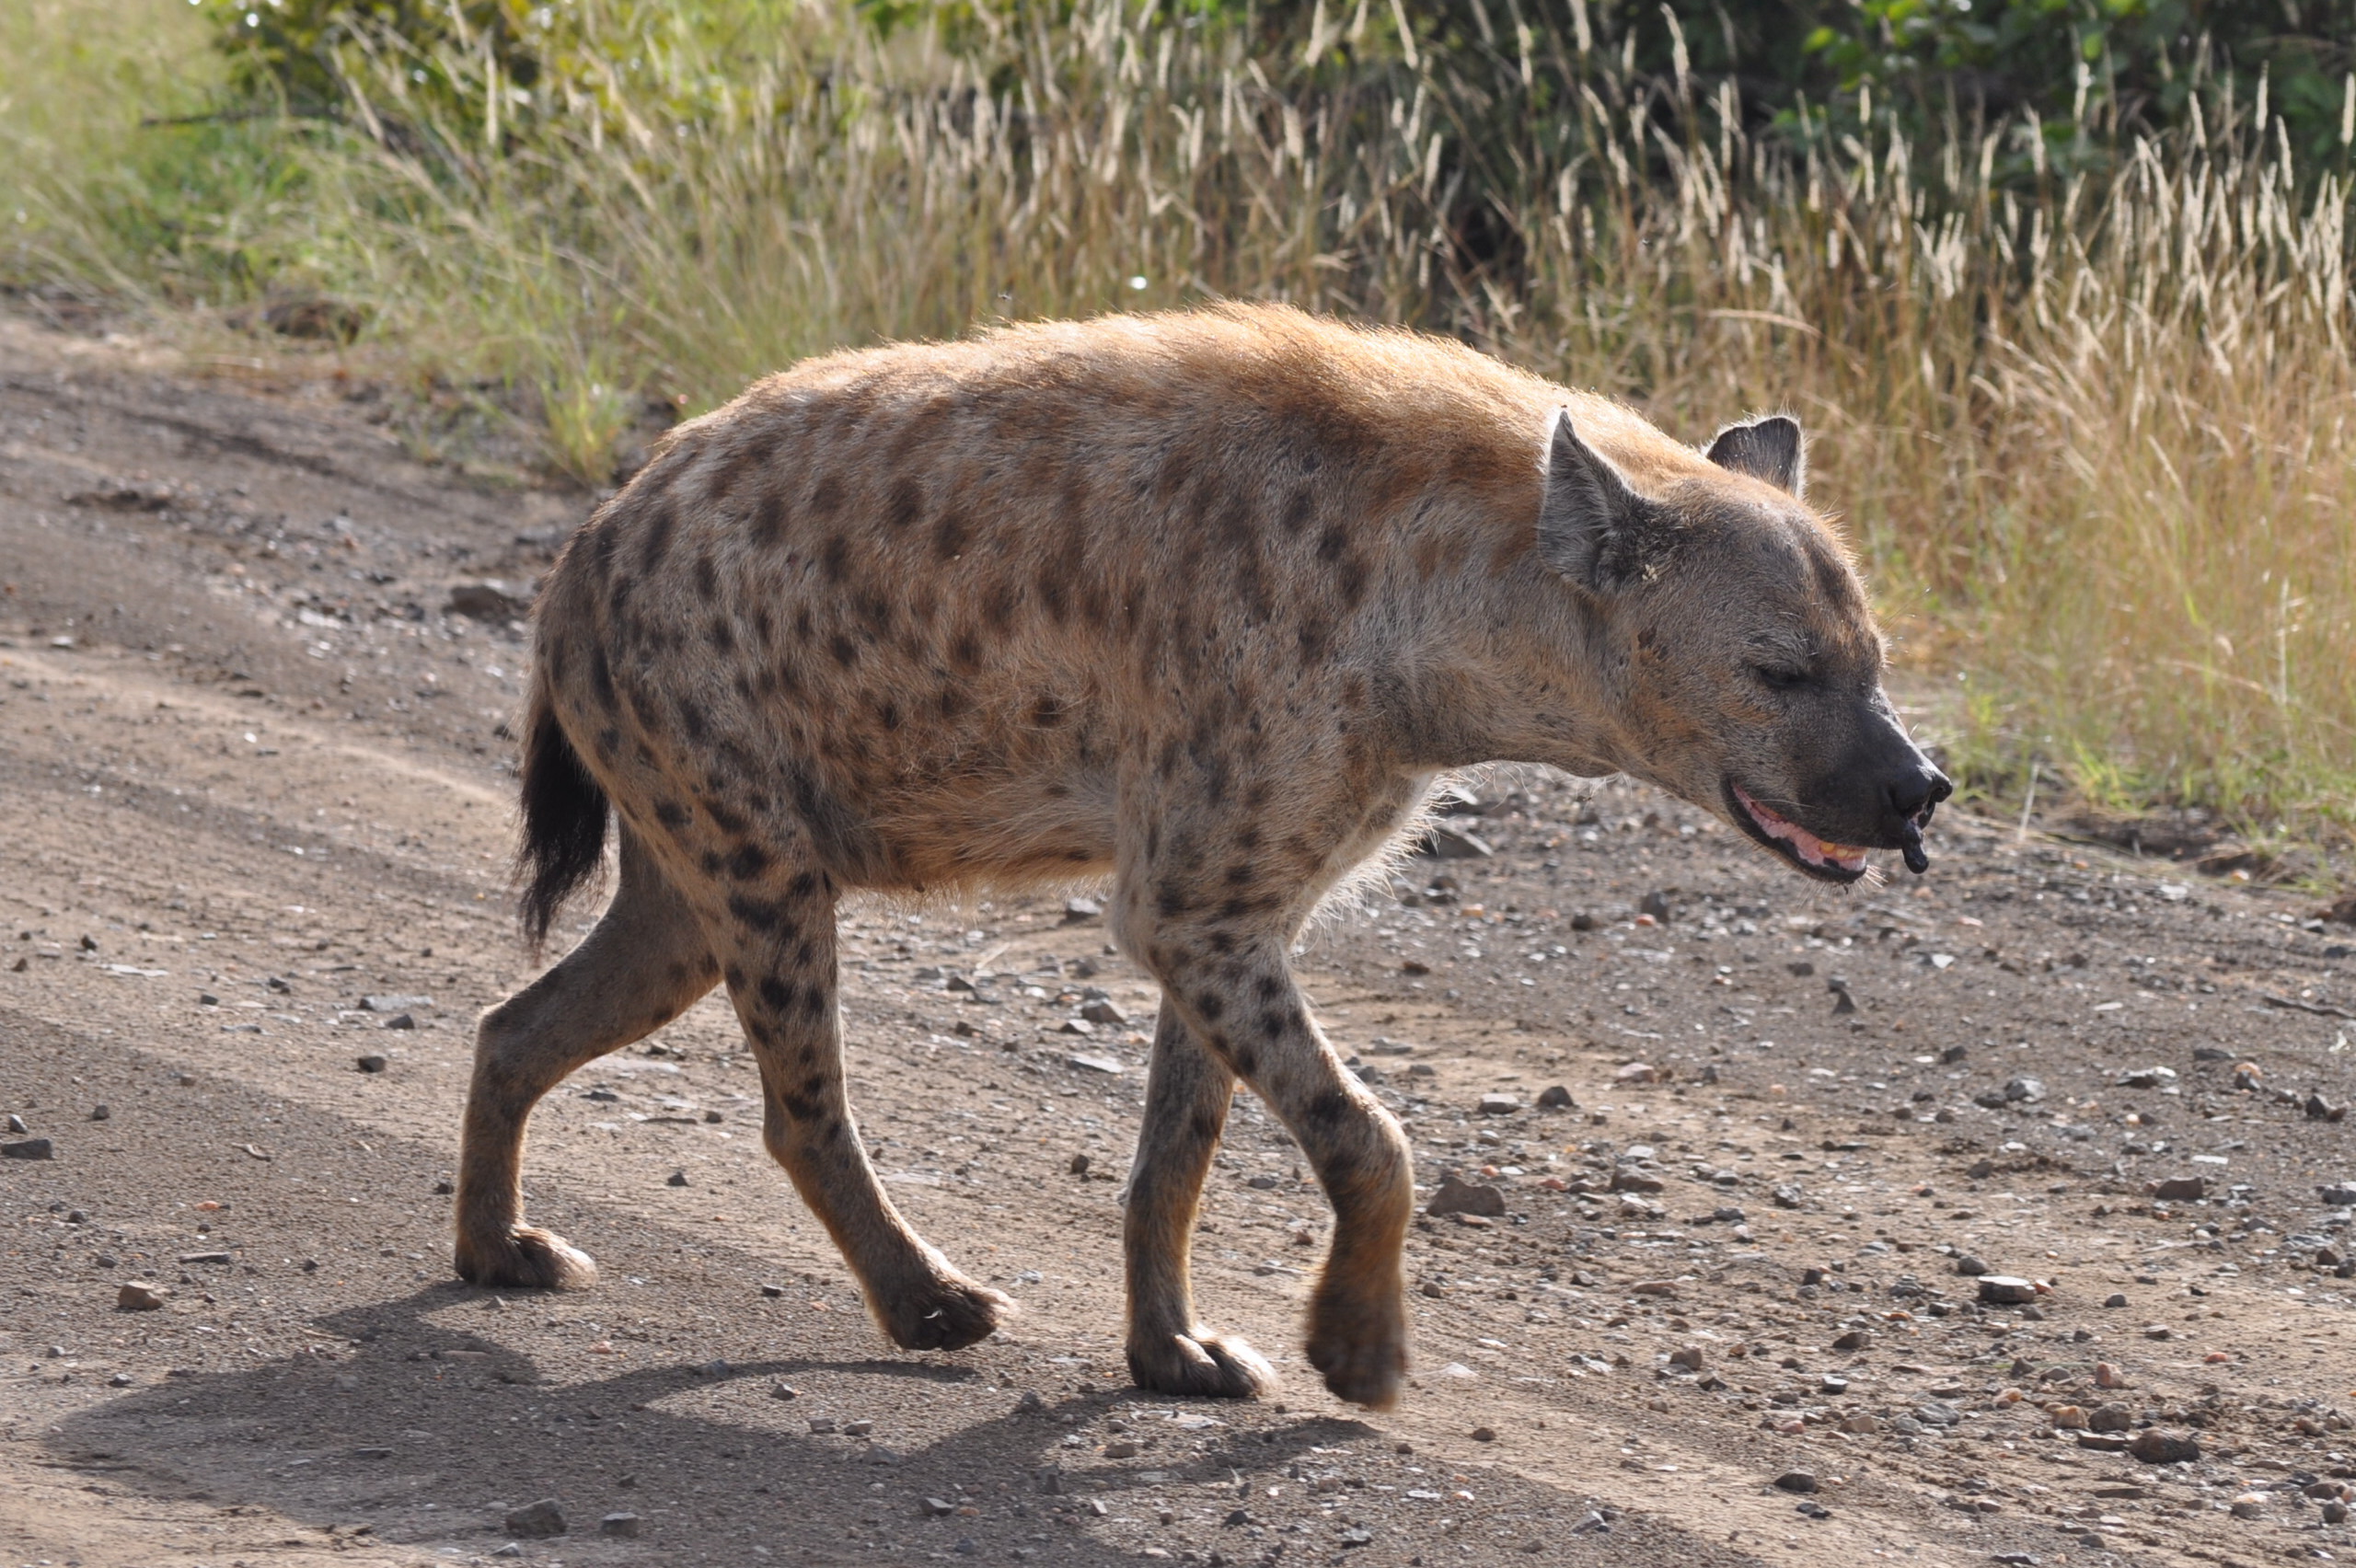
x: 646, y: 963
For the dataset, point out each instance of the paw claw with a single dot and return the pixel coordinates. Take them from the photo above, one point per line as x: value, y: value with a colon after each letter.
x: 1202, y: 1365
x: 526, y: 1257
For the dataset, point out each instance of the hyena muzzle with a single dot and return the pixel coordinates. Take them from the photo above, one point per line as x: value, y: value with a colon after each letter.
x: 1203, y: 602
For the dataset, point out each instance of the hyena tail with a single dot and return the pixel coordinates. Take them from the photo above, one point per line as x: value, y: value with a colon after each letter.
x: 563, y: 839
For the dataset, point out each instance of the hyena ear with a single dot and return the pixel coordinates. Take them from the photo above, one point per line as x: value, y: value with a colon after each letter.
x: 1591, y: 527
x: 1769, y: 449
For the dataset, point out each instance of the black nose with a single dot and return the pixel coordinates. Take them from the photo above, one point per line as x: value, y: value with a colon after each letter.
x: 1914, y: 798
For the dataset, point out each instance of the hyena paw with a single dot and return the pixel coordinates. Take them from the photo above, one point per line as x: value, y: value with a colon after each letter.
x: 1200, y: 1363
x: 1361, y: 1352
x: 526, y: 1257
x: 950, y: 1313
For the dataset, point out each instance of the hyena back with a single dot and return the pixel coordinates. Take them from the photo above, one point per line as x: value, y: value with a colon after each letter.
x: 1201, y: 603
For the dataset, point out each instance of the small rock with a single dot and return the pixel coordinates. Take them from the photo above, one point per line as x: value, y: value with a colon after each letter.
x: 676, y: 1179
x: 857, y: 1428
x: 1080, y: 911
x: 2181, y: 1188
x: 1692, y: 1357
x: 2337, y: 1194
x: 1446, y: 841
x: 1094, y: 1064
x: 821, y: 1424
x: 2115, y: 1299
x: 784, y: 1392
x: 1855, y: 1339
x: 1636, y: 1072
x: 1104, y: 1010
x: 2111, y: 1418
x: 623, y: 1526
x: 773, y: 1291
x: 536, y: 1521
x: 2024, y: 1090
x: 1967, y: 1265
x: 2005, y: 1290
x: 1798, y: 1481
x: 1457, y: 1197
x: 31, y: 1149
x: 2155, y: 1446
x: 1499, y: 1105
x: 102, y: 1113
x: 1079, y: 1166
x: 2335, y: 1513
x: 17, y: 1124
x: 1788, y: 1196
x: 488, y: 601
x: 372, y: 1063
x: 2109, y: 1376
x: 2147, y: 1077
x: 136, y: 1297
x: 400, y: 1021
x: 1076, y: 1026
x: 1558, y: 1098
x: 120, y: 1380
x: 1483, y: 1434
x: 2248, y: 1505
x: 511, y: 1549
x: 939, y: 1507
x: 2158, y: 1332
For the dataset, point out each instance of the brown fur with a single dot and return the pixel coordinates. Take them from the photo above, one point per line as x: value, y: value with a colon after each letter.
x: 1198, y: 602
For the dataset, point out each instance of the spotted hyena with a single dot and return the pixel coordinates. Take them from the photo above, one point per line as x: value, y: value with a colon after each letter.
x: 1202, y: 602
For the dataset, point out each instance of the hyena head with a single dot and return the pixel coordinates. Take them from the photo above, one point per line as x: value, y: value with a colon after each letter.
x: 1744, y: 665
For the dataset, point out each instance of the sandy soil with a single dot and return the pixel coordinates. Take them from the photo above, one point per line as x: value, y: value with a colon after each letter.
x: 254, y: 782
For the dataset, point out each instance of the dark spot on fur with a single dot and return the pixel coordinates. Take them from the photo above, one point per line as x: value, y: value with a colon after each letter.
x: 1044, y: 713
x: 904, y: 507
x: 761, y: 914
x: 844, y: 651
x: 727, y: 819
x: 826, y: 499
x: 1326, y: 1111
x: 721, y: 635
x: 949, y: 535
x: 672, y: 814
x: 834, y: 557
x: 769, y: 518
x: 658, y: 524
x: 706, y: 578
x: 748, y: 861
x: 1210, y: 1004
x: 777, y: 995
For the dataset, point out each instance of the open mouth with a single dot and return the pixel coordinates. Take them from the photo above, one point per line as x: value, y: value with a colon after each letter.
x: 1825, y: 861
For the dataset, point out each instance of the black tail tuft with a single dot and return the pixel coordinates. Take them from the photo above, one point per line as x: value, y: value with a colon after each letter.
x: 564, y: 842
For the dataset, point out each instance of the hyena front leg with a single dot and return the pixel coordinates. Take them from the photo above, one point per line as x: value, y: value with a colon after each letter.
x: 1187, y: 1090
x: 1226, y: 973
x: 645, y: 964
x: 778, y: 960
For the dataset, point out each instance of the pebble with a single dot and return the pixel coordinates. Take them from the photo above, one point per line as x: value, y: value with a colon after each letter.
x: 1457, y: 1197
x: 1798, y: 1481
x: 784, y: 1392
x: 1121, y: 1449
x: 1855, y: 1339
x: 2111, y: 1418
x: 2109, y: 1376
x: 1079, y: 1166
x: 939, y: 1507
x: 1692, y: 1357
x: 31, y: 1149
x: 1557, y: 1098
x: 1484, y: 1434
x: 2005, y: 1290
x: 400, y: 1021
x: 676, y: 1179
x: 624, y: 1526
x: 2336, y: 1195
x: 136, y: 1297
x: 2181, y: 1188
x: 102, y: 1113
x: 2115, y: 1299
x: 372, y: 1063
x: 1093, y: 1064
x: 1078, y: 911
x: 17, y: 1124
x: 1636, y: 1072
x: 536, y: 1521
x: 2155, y: 1446
x: 1499, y: 1105
x: 1967, y: 1265
x: 2248, y: 1505
x: 1104, y: 1011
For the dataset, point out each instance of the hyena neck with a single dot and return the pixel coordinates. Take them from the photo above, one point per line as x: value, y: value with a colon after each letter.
x: 1510, y: 666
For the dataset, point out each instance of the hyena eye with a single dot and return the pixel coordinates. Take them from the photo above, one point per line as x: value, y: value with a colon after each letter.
x: 1778, y: 678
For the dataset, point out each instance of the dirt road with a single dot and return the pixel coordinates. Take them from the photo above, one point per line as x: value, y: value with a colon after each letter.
x: 254, y: 783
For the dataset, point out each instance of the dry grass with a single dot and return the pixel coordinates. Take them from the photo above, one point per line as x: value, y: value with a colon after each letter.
x: 2092, y: 433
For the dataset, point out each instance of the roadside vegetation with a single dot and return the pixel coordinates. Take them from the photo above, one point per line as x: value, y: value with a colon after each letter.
x: 2075, y: 345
